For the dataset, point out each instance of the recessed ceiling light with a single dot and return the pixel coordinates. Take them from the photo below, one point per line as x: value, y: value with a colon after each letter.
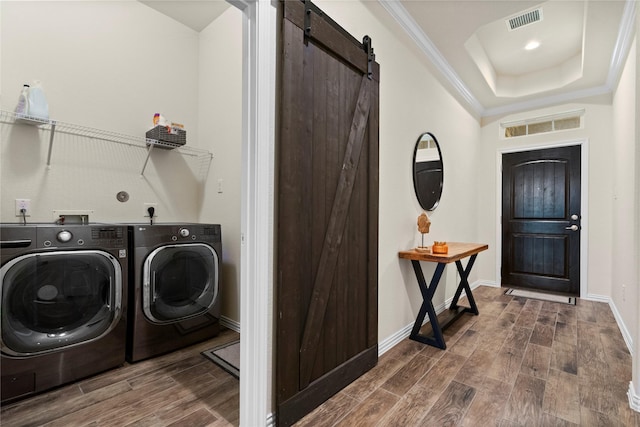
x: 534, y: 44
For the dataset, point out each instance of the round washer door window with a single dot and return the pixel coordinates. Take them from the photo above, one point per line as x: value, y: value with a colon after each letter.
x: 58, y: 299
x: 179, y: 282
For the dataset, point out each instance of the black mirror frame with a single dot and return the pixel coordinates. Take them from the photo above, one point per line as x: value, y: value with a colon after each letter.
x: 415, y: 184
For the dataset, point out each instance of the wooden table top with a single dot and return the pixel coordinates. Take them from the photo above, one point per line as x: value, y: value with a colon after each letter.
x: 457, y: 251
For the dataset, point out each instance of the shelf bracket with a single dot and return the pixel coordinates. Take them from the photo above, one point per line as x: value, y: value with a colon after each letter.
x: 53, y: 132
x: 144, y: 166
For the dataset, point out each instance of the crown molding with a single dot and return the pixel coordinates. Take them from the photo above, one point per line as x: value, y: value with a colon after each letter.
x: 411, y: 27
x: 623, y: 44
x: 620, y: 53
x: 547, y: 101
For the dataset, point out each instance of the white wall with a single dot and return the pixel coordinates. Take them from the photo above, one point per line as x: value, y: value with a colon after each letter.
x: 624, y: 280
x: 220, y: 118
x: 105, y: 65
x: 412, y: 102
x: 634, y: 387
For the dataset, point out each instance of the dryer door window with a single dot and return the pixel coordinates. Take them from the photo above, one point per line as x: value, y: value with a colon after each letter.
x: 58, y: 299
x: 179, y: 282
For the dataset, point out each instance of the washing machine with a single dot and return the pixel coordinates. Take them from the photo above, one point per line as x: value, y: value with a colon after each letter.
x: 174, y: 295
x: 63, y: 302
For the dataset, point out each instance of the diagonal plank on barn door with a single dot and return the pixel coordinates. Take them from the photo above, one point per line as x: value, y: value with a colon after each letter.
x: 333, y: 237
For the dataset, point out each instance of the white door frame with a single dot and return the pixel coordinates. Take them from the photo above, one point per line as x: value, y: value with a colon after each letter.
x: 584, y: 204
x: 257, y: 209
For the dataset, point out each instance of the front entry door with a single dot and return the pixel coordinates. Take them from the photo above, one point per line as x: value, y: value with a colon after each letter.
x: 541, y: 220
x: 327, y: 255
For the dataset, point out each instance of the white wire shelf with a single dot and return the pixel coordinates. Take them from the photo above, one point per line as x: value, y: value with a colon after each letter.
x: 55, y: 126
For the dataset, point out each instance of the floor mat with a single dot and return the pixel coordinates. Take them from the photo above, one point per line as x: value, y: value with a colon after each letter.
x: 541, y: 296
x: 227, y: 356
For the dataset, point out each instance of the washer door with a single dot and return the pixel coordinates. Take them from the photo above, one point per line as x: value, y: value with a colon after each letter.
x: 58, y: 299
x: 179, y: 282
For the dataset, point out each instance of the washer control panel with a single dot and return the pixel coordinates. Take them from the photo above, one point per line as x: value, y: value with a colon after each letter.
x: 103, y: 236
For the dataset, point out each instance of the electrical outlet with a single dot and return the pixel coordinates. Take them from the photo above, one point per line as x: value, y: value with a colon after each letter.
x: 150, y: 205
x: 23, y: 204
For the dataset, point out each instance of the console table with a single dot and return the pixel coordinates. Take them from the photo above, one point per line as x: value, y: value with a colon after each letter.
x: 457, y: 252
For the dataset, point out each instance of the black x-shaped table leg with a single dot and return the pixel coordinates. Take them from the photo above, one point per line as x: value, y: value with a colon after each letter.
x: 437, y: 340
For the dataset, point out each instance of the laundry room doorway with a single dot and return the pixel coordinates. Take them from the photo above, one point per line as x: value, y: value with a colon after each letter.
x: 238, y: 76
x: 257, y: 207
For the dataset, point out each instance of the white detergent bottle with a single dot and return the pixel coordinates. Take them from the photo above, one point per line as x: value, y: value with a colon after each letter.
x: 23, y: 101
x: 37, y: 104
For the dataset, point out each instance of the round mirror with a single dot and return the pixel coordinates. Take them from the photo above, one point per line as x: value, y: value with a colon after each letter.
x: 428, y: 171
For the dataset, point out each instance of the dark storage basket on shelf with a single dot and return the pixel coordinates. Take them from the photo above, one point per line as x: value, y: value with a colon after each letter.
x: 161, y: 134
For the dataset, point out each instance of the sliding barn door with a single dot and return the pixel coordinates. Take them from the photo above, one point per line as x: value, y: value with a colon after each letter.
x: 327, y: 255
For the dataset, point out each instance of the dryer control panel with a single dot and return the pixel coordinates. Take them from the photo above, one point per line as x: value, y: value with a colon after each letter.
x: 146, y: 235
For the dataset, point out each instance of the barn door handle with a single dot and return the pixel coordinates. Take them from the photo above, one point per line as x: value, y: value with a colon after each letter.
x: 572, y: 228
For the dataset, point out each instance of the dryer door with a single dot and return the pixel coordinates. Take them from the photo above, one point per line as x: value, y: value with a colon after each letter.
x: 58, y: 299
x: 179, y: 282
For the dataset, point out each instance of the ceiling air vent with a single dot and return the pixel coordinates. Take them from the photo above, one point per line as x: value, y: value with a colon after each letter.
x: 524, y: 19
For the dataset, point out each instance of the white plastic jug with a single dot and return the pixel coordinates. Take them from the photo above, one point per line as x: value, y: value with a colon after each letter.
x: 23, y: 101
x: 37, y: 102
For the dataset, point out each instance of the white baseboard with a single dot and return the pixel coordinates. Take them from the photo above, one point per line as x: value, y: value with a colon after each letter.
x: 634, y: 399
x: 597, y: 298
x: 628, y: 339
x: 395, y: 338
x: 230, y: 323
x: 489, y: 283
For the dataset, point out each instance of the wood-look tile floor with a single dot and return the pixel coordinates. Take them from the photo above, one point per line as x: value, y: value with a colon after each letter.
x: 521, y: 362
x: 182, y: 388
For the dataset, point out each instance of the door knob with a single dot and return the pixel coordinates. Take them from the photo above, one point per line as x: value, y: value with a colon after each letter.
x: 572, y: 228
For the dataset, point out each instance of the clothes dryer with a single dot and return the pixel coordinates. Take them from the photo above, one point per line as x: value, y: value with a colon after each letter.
x: 174, y: 294
x: 63, y: 299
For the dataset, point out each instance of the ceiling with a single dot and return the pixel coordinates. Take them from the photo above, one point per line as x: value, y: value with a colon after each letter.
x: 196, y: 14
x: 583, y: 45
x: 582, y: 48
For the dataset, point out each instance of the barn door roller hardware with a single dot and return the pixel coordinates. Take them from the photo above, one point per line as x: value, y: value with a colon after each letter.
x: 319, y: 33
x: 310, y: 7
x: 307, y: 17
x: 366, y: 45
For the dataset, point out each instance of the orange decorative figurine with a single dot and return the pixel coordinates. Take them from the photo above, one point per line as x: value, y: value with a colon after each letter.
x: 423, y: 227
